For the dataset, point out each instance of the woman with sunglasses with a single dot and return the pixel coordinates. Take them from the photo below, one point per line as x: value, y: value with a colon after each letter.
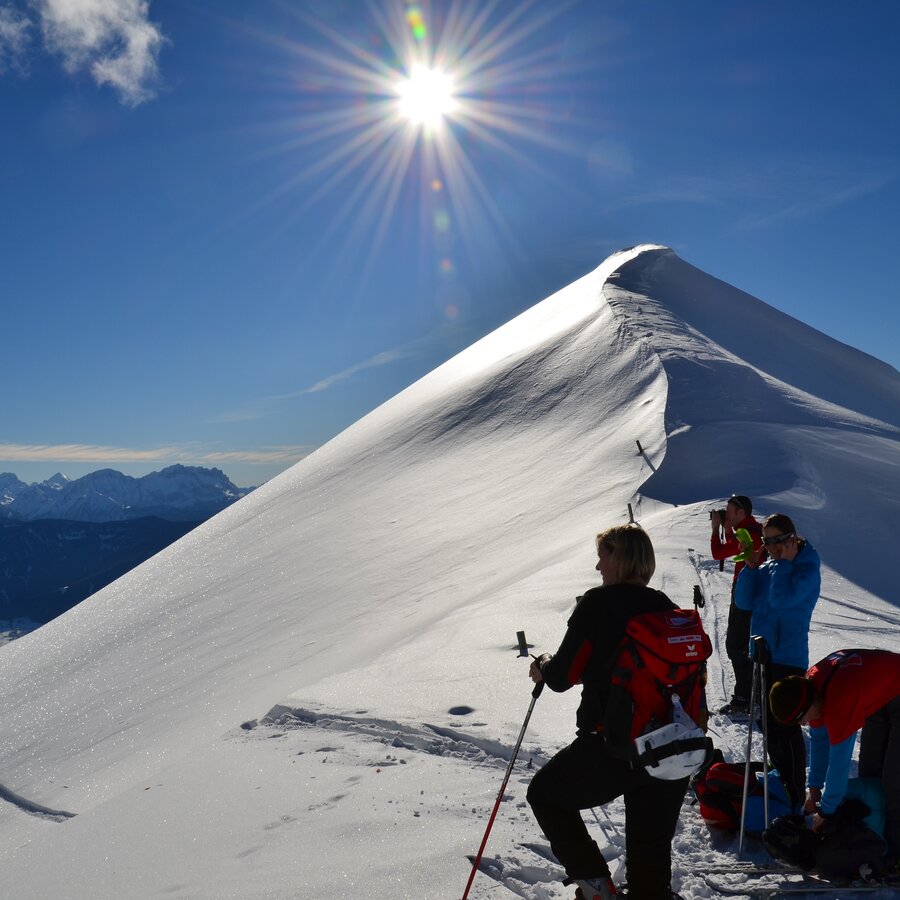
x: 781, y: 594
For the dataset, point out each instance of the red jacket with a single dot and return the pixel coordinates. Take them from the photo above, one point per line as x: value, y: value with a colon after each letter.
x: 854, y: 684
x: 731, y: 546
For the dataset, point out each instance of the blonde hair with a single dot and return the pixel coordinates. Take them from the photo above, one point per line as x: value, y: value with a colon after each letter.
x: 631, y: 547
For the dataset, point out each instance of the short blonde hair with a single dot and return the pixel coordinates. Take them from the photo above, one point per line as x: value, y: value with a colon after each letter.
x: 631, y: 547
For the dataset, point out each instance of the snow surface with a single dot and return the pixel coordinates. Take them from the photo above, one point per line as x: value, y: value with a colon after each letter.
x: 11, y: 629
x: 315, y: 694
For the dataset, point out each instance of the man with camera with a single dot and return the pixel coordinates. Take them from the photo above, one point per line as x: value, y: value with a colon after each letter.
x: 738, y: 513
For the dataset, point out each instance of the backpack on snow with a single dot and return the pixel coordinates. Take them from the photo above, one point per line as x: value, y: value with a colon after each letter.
x: 845, y: 848
x: 657, y: 695
x: 720, y: 790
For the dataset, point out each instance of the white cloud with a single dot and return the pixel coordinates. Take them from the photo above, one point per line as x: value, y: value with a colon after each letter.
x: 14, y: 39
x: 380, y: 359
x: 114, y: 40
x: 264, y: 407
x: 89, y: 453
x: 822, y: 198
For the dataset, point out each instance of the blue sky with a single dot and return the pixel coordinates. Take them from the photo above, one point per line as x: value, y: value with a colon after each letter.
x: 223, y: 242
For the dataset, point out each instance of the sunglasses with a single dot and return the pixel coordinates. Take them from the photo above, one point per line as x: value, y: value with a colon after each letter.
x: 777, y: 539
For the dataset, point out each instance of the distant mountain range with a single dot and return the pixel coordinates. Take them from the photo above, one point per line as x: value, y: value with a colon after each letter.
x: 177, y: 494
x: 62, y: 540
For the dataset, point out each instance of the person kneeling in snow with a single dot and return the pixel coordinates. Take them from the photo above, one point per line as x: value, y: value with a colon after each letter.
x: 846, y: 691
x: 585, y: 774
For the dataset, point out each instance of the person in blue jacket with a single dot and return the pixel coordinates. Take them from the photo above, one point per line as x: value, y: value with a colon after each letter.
x: 781, y: 595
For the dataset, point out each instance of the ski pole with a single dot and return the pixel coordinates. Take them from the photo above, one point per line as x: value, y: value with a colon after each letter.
x: 599, y: 823
x: 761, y: 652
x: 512, y: 760
x: 754, y: 683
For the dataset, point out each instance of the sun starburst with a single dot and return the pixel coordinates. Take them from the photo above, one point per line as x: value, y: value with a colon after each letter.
x: 412, y: 104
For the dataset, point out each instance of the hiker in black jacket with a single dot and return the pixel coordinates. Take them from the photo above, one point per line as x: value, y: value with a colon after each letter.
x: 584, y: 774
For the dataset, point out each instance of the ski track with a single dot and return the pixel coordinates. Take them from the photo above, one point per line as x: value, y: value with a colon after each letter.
x: 889, y: 623
x: 714, y: 621
x: 32, y: 808
x: 426, y: 738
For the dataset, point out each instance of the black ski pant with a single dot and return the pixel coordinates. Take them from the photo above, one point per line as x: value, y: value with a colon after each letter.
x: 879, y: 757
x: 584, y: 775
x: 787, y: 749
x: 737, y: 644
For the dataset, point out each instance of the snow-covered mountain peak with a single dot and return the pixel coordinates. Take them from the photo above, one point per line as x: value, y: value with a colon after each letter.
x: 377, y: 586
x: 690, y: 314
x: 57, y: 482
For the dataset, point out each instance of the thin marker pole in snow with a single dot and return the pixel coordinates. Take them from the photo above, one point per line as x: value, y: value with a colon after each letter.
x: 640, y: 448
x: 476, y: 860
x: 630, y: 514
x: 523, y: 644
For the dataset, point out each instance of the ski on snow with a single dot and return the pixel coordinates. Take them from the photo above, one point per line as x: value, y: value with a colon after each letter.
x: 751, y: 868
x: 809, y: 886
x: 493, y: 868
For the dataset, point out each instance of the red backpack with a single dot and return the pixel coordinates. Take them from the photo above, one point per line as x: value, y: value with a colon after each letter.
x: 720, y: 790
x: 656, y: 712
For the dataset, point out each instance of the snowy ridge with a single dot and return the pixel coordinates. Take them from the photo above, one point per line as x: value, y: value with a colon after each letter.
x: 775, y: 409
x: 375, y: 589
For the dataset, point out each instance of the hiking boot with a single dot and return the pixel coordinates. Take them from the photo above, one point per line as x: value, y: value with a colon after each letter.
x: 736, y: 706
x: 596, y: 889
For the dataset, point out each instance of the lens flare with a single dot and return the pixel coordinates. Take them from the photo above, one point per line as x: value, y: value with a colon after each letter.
x: 407, y: 105
x: 416, y: 22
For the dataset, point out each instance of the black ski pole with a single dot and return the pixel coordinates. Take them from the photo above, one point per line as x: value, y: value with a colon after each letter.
x: 760, y: 656
x: 754, y: 688
x: 761, y: 651
x: 477, y: 859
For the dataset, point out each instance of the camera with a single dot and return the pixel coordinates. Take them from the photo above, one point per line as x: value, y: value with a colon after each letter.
x: 721, y: 513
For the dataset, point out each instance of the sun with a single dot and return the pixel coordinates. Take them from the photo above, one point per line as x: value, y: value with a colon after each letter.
x: 408, y: 106
x: 426, y: 97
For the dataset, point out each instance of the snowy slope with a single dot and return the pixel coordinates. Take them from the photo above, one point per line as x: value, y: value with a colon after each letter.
x: 375, y: 590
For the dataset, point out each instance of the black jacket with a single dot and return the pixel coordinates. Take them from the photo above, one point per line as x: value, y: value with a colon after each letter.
x: 590, y: 646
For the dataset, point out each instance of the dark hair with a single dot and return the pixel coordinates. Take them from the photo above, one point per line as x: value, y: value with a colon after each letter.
x: 743, y: 502
x: 780, y: 521
x: 791, y: 698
